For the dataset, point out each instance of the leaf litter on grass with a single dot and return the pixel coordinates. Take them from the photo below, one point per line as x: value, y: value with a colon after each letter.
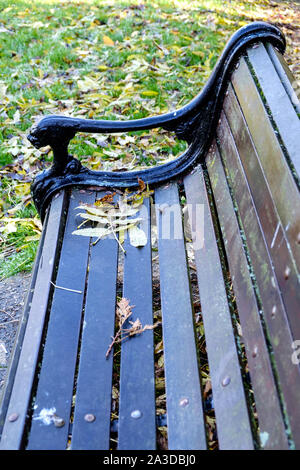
x: 96, y: 59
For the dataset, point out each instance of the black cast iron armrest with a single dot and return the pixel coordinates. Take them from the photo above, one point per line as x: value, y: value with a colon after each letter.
x: 195, y: 123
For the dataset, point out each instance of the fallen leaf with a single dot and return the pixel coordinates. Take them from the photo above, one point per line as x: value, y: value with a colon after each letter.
x: 149, y: 93
x: 123, y: 313
x: 137, y: 237
x: 108, y: 41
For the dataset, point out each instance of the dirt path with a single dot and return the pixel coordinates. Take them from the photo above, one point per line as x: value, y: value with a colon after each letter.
x: 13, y: 293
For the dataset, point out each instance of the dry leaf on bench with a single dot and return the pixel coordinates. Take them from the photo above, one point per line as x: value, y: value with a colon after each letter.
x: 137, y: 237
x: 123, y: 313
x: 112, y: 217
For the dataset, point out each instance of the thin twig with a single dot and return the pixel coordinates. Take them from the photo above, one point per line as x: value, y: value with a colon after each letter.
x: 6, y: 313
x: 159, y: 47
x: 114, y: 340
x: 2, y: 325
x: 65, y: 288
x: 114, y: 234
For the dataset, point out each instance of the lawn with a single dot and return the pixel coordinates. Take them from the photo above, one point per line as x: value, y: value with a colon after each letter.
x: 108, y: 59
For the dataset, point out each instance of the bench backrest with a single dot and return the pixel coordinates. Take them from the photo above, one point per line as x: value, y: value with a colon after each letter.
x: 253, y: 169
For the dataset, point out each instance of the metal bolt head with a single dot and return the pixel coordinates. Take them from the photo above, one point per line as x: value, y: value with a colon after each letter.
x: 58, y: 422
x: 274, y: 310
x: 136, y: 414
x: 255, y: 351
x: 184, y: 402
x: 13, y: 417
x: 89, y: 418
x: 287, y: 272
x: 226, y: 381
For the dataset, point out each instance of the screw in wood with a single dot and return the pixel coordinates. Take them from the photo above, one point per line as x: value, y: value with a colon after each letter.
x: 184, y: 402
x: 58, y: 422
x: 287, y: 273
x: 89, y: 418
x: 13, y: 417
x: 226, y: 381
x: 136, y: 414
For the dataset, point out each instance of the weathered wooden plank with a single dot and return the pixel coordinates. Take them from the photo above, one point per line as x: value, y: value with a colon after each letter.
x: 53, y: 400
x: 277, y: 172
x: 5, y: 396
x: 279, y: 104
x: 233, y: 426
x: 270, y: 419
x: 287, y: 78
x: 274, y: 233
x: 273, y: 312
x: 13, y: 430
x: 184, y: 406
x: 137, y: 426
x: 91, y: 424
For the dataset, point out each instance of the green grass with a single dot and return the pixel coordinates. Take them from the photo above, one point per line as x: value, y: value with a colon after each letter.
x: 100, y: 59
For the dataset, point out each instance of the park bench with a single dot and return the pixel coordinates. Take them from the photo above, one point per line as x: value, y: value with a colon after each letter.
x: 238, y: 182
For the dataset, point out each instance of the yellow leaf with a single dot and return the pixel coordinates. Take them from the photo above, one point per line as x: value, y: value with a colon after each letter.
x: 149, y: 93
x: 198, y: 53
x: 22, y: 189
x: 87, y: 84
x: 137, y: 237
x: 160, y: 361
x: 107, y: 41
x: 48, y: 94
x: 121, y: 236
x: 187, y: 38
x: 99, y: 232
x: 160, y: 383
x: 10, y: 228
x: 32, y: 238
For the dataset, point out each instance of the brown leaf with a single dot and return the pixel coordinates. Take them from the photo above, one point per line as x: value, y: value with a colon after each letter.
x: 207, y: 389
x: 123, y: 311
x: 108, y: 41
x: 108, y: 198
x: 142, y: 185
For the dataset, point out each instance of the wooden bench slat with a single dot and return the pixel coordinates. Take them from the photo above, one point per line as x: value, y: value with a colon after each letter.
x: 233, y: 426
x: 15, y: 354
x: 275, y: 236
x: 137, y: 426
x: 56, y: 378
x: 267, y: 403
x: 285, y: 75
x: 273, y: 309
x: 12, y: 435
x: 186, y: 428
x: 277, y: 172
x: 92, y: 415
x: 282, y: 110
